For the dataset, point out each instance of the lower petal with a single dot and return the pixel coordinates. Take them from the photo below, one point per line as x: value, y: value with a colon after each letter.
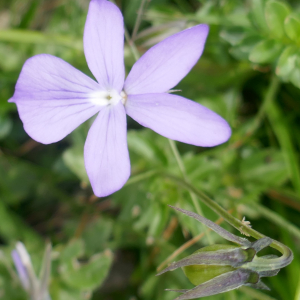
x: 105, y: 152
x: 53, y: 98
x: 179, y: 119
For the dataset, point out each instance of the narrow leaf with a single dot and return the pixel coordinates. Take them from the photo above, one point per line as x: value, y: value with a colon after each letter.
x: 216, y: 228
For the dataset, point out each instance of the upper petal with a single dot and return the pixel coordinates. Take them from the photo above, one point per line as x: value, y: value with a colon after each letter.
x: 53, y: 98
x: 166, y: 63
x: 105, y: 152
x: 179, y: 119
x: 104, y: 44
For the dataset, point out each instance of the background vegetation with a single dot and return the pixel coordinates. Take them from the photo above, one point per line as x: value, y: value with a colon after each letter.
x: 110, y: 248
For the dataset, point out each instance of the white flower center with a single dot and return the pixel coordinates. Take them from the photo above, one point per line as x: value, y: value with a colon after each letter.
x: 105, y: 98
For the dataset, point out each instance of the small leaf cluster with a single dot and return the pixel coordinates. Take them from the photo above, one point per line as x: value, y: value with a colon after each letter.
x: 273, y: 38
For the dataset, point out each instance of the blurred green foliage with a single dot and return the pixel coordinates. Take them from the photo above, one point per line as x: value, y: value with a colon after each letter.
x: 249, y: 74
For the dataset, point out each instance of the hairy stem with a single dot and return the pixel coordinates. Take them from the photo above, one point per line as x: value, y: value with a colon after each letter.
x: 184, y: 175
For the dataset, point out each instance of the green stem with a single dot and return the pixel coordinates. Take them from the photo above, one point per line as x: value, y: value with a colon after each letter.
x: 132, y: 46
x: 183, y: 173
x: 138, y: 20
x: 141, y: 177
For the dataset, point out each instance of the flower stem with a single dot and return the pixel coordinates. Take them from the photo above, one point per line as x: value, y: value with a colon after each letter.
x: 184, y: 175
x: 132, y: 46
x: 138, y: 19
x: 141, y: 176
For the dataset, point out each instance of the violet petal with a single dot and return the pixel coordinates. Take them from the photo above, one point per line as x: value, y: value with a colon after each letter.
x: 23, y: 275
x: 104, y: 44
x: 53, y: 98
x: 179, y: 119
x: 166, y: 63
x: 106, y: 153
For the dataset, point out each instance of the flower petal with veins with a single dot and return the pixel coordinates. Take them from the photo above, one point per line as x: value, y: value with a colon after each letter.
x: 103, y: 42
x: 105, y: 152
x: 53, y: 98
x: 179, y: 119
x: 166, y: 63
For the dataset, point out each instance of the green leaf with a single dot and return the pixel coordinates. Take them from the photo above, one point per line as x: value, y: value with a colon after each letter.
x: 292, y: 28
x: 97, y: 234
x: 241, y: 51
x: 286, y: 62
x: 233, y: 35
x: 72, y: 251
x: 12, y: 227
x: 276, y: 12
x: 257, y: 15
x: 90, y: 275
x: 265, y: 52
x: 263, y: 168
x: 5, y: 126
x: 295, y: 77
x: 73, y: 159
x: 87, y: 274
x: 141, y: 143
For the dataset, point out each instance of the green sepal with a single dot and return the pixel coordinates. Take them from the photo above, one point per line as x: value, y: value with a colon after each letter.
x: 220, y: 284
x: 198, y: 274
x: 216, y: 255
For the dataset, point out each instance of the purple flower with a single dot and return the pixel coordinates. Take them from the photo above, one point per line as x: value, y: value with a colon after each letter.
x: 36, y: 288
x: 53, y: 98
x: 21, y: 269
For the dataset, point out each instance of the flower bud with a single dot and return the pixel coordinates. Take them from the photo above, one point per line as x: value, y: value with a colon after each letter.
x: 36, y: 288
x: 217, y: 269
x: 198, y: 274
